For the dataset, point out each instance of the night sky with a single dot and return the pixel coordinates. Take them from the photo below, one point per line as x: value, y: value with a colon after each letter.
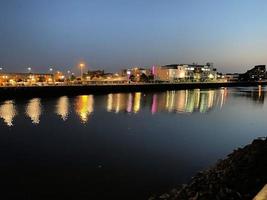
x: 115, y: 34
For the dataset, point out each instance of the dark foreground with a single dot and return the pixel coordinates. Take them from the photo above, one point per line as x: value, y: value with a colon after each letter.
x: 240, y: 176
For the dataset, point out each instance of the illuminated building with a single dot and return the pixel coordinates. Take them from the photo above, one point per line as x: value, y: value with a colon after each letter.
x: 185, y: 72
x: 137, y: 74
x: 24, y: 78
x: 232, y: 77
x: 59, y: 77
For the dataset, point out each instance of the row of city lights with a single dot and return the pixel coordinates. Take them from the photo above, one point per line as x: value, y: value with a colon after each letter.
x: 81, y: 66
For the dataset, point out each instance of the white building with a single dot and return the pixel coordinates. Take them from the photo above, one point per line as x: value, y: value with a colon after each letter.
x: 185, y: 72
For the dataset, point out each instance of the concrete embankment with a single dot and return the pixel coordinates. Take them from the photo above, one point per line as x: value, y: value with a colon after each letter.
x: 240, y: 176
x: 23, y: 91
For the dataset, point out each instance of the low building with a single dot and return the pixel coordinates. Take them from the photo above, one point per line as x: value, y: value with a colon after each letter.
x: 25, y: 78
x: 231, y: 77
x: 137, y: 74
x: 59, y: 77
x: 95, y: 73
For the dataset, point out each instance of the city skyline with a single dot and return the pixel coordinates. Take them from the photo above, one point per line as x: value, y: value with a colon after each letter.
x: 117, y: 34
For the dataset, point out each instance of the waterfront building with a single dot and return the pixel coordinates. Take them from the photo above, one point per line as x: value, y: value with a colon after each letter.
x: 25, y: 78
x: 257, y: 73
x: 94, y: 74
x: 99, y: 77
x: 185, y: 72
x: 137, y: 74
x: 232, y: 77
x: 170, y: 73
x: 59, y: 77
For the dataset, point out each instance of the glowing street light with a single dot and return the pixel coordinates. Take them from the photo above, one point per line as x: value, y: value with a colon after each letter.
x: 82, y: 65
x: 50, y: 69
x: 69, y: 76
x: 29, y: 69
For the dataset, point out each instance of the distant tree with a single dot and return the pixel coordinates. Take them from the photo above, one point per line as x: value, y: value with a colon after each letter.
x: 143, y: 78
x: 72, y: 77
x: 150, y: 77
x: 132, y: 78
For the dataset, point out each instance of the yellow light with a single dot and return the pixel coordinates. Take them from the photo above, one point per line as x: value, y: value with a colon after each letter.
x: 34, y: 110
x: 262, y: 194
x: 8, y: 112
x: 62, y: 108
x: 84, y: 106
x: 211, y: 76
x: 137, y: 101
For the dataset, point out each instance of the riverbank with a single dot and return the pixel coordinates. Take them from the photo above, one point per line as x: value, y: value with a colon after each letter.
x: 240, y: 176
x: 34, y: 91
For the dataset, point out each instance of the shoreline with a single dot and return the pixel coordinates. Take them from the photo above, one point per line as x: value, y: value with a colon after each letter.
x: 40, y: 91
x: 241, y: 175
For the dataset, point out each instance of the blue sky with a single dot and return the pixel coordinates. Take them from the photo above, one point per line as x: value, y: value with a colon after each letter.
x: 114, y: 34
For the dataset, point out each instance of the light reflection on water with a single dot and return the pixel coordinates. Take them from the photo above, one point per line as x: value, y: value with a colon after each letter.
x: 8, y: 112
x: 182, y: 101
x: 62, y: 107
x: 84, y: 107
x: 34, y: 110
x: 118, y: 142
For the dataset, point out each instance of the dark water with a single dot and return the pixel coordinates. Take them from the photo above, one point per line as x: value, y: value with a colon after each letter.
x: 121, y: 146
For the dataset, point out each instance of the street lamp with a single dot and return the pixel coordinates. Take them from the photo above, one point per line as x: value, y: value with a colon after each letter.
x: 29, y: 69
x: 81, y: 67
x: 51, y: 69
x: 69, y: 77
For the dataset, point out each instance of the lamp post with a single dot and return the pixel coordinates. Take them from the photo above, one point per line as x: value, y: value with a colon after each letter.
x: 29, y: 77
x: 29, y: 69
x: 52, y: 75
x: 68, y: 79
x: 81, y: 67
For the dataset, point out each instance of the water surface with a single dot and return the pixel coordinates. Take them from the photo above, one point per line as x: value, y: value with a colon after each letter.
x: 123, y: 145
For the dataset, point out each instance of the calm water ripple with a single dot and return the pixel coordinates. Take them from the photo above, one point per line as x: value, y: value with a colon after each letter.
x: 121, y: 145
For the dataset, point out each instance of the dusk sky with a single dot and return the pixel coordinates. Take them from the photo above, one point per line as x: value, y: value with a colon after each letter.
x: 116, y: 34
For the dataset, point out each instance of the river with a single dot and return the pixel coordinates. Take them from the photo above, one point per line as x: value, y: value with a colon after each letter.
x: 122, y: 145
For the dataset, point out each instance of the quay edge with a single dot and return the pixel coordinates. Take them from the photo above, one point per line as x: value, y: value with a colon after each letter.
x: 43, y: 91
